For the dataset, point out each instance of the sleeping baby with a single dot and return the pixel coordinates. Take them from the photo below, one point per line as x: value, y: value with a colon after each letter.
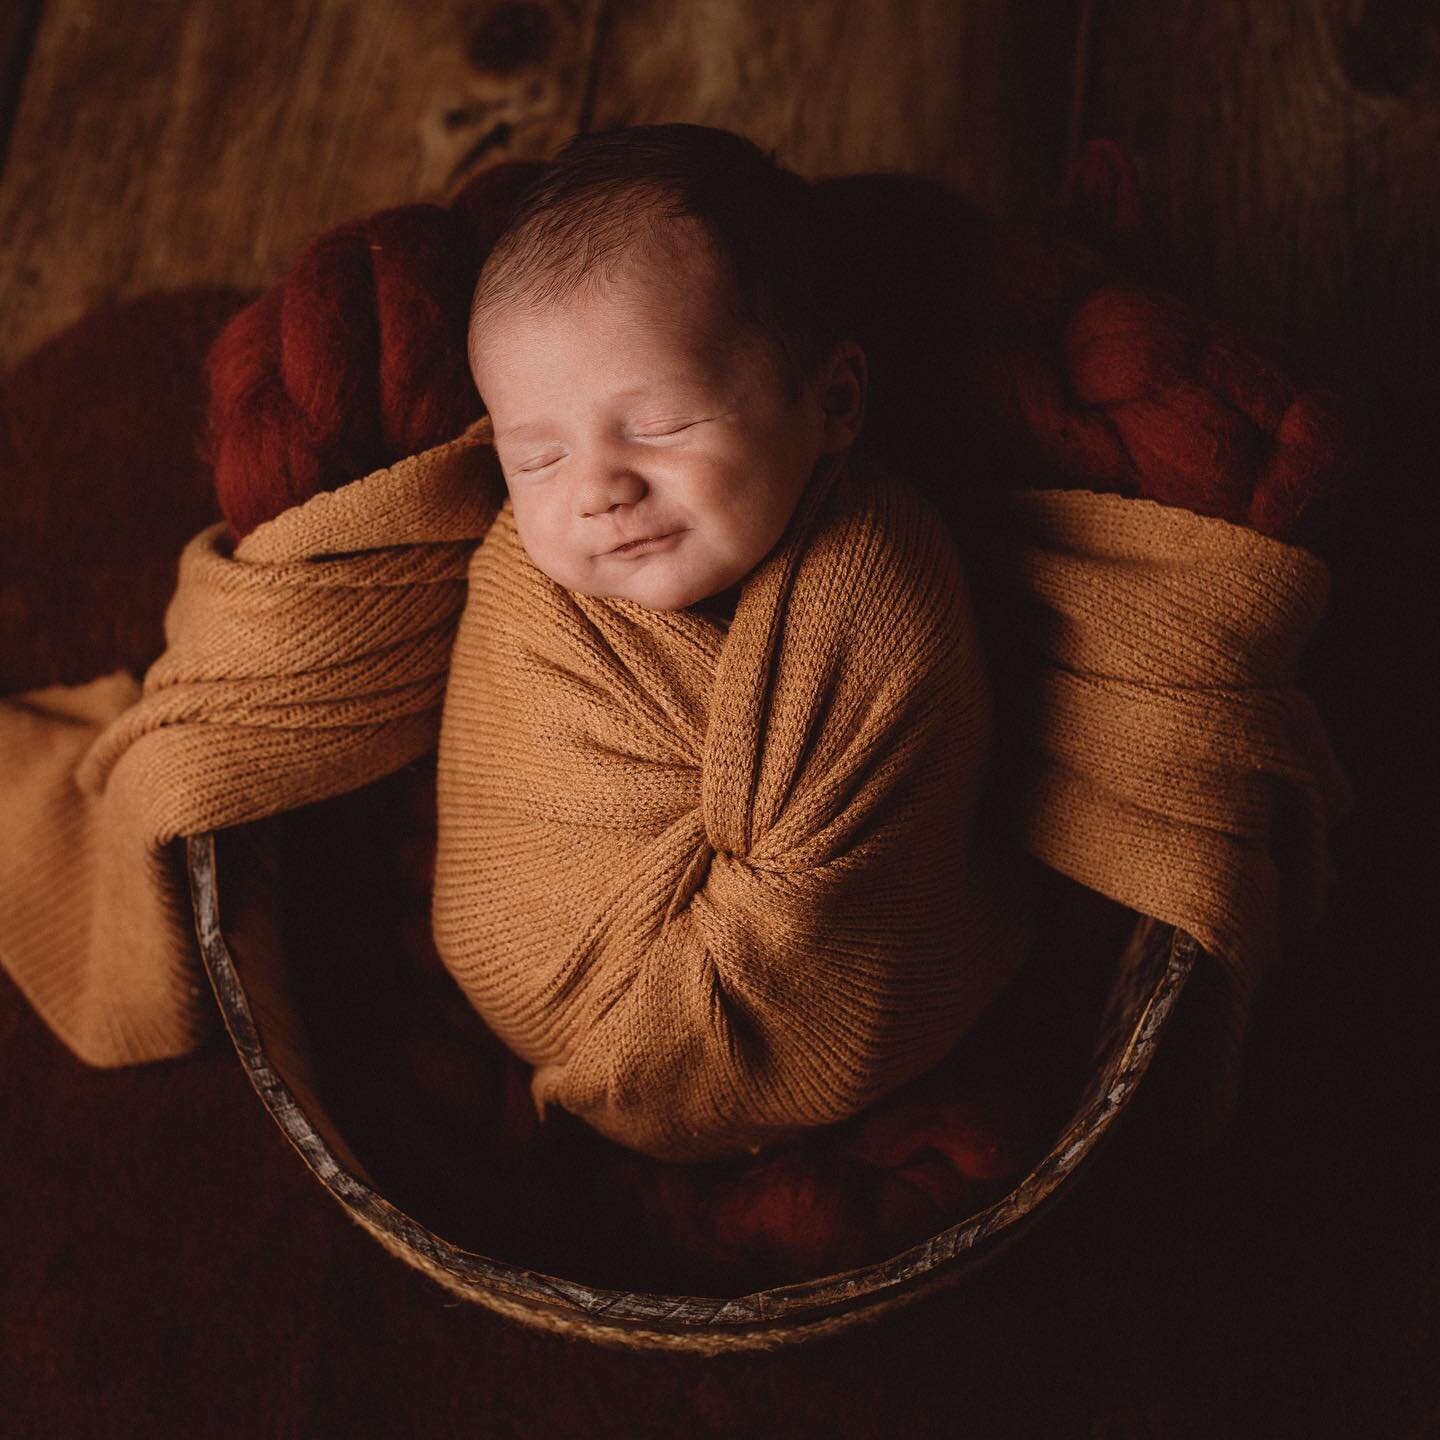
x: 658, y: 401
x: 717, y: 720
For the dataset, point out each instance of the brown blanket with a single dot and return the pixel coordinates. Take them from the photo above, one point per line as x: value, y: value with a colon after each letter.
x: 736, y: 882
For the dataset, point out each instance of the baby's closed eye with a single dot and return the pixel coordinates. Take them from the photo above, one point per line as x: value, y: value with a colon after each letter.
x: 665, y: 427
x: 530, y: 466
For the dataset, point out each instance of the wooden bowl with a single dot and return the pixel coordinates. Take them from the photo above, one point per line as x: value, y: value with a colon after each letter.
x: 244, y: 951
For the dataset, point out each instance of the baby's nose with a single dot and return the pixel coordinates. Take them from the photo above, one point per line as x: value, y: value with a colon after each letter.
x: 605, y: 486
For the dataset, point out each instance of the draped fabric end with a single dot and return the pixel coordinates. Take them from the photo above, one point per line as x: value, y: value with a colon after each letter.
x: 1159, y: 750
x: 310, y: 661
x: 716, y: 884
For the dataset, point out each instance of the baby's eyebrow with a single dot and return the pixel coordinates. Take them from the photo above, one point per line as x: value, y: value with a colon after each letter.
x: 680, y: 389
x: 515, y: 431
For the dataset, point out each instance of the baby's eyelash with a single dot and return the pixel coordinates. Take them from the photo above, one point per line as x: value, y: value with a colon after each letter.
x: 531, y: 469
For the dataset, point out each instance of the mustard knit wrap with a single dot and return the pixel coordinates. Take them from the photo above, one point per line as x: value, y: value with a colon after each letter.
x: 716, y: 885
x: 719, y: 886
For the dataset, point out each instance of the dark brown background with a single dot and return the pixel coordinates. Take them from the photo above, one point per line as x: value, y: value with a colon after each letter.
x: 167, y: 1267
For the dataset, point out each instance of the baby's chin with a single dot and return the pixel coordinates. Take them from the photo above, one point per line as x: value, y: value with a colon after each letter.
x: 658, y: 590
x: 671, y: 596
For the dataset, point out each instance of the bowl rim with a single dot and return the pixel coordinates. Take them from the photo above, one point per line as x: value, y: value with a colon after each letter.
x: 1161, y: 959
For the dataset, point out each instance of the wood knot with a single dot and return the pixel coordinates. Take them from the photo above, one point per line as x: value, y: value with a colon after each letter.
x: 509, y: 37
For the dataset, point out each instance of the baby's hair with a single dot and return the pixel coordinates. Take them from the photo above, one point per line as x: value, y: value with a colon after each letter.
x: 607, y: 194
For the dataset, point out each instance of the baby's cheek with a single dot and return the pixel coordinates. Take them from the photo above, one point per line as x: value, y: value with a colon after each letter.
x: 546, y: 548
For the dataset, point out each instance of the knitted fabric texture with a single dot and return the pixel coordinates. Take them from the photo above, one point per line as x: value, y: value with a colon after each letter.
x: 1162, y: 754
x: 1150, y: 737
x: 717, y: 887
x: 310, y: 661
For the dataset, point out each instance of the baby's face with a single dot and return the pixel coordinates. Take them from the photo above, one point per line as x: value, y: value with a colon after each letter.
x: 635, y: 409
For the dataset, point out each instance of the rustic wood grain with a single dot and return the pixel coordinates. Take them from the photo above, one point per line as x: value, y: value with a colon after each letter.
x: 202, y: 143
x: 974, y: 95
x: 1291, y: 158
x: 160, y: 146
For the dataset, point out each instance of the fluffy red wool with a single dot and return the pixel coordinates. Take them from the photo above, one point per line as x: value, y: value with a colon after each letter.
x: 358, y: 358
x: 1021, y: 355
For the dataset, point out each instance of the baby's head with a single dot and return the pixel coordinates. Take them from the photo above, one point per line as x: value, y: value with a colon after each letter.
x: 650, y: 340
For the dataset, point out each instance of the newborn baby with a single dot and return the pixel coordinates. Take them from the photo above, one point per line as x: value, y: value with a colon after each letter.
x: 716, y: 723
x: 653, y: 433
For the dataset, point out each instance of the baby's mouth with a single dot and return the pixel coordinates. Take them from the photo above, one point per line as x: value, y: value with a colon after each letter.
x: 635, y: 547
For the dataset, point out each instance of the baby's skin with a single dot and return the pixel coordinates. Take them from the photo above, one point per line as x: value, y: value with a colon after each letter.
x: 637, y: 409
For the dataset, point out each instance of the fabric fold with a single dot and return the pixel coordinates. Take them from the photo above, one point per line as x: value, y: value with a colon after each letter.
x: 719, y: 886
x: 1158, y: 748
x: 715, y: 883
x: 310, y: 661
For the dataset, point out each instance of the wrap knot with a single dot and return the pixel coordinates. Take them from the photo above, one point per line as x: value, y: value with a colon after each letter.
x: 719, y: 886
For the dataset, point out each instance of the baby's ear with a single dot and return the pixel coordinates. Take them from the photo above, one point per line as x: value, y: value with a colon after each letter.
x: 843, y: 384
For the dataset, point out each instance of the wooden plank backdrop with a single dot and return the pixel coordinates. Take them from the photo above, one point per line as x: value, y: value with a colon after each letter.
x: 160, y: 145
x: 165, y: 1265
x: 1293, y: 161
